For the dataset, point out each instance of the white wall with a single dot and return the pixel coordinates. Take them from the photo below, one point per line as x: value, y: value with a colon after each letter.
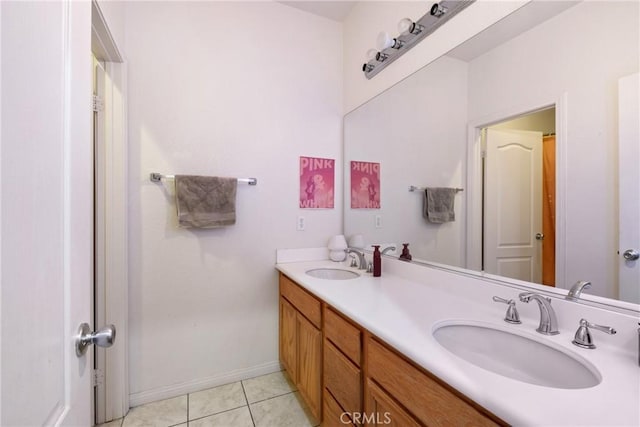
x: 113, y: 12
x: 368, y: 18
x: 231, y: 89
x: 417, y: 132
x: 586, y: 63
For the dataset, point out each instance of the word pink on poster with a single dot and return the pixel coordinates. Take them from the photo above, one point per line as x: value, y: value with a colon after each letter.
x: 365, y: 185
x: 316, y: 183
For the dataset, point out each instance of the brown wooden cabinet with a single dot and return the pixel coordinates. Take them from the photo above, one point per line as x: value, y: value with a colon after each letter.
x: 423, y: 396
x: 342, y: 375
x: 382, y: 410
x: 301, y: 342
x: 349, y: 377
x: 310, y: 365
x: 288, y: 339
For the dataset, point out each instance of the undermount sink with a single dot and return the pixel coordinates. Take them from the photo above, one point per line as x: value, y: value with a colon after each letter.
x: 516, y: 356
x: 332, y: 274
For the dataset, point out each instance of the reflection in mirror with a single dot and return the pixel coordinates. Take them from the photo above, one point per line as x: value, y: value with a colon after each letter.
x: 518, y: 209
x: 527, y: 125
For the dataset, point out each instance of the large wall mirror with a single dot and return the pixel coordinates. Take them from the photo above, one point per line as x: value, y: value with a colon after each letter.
x: 526, y: 119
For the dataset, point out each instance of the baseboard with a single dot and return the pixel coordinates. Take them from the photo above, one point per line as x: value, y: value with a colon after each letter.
x: 167, y: 392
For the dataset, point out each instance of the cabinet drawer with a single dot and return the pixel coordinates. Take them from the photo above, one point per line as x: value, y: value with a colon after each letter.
x: 381, y: 410
x: 332, y: 414
x: 342, y: 379
x: 303, y: 301
x: 343, y: 334
x: 426, y: 399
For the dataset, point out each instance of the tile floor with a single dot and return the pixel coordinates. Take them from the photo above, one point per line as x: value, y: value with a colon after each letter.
x: 266, y: 401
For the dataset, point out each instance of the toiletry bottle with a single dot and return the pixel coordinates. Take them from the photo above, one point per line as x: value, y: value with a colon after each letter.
x: 377, y: 261
x: 405, y: 255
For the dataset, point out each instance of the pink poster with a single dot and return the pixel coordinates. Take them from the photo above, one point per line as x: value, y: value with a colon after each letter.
x: 365, y: 185
x: 316, y: 183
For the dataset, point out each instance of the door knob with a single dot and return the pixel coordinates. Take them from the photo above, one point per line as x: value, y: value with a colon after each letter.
x: 631, y: 254
x: 102, y: 338
x: 539, y: 236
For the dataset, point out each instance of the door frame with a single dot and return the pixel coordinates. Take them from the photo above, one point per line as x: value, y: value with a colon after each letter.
x: 474, y: 193
x: 113, y: 298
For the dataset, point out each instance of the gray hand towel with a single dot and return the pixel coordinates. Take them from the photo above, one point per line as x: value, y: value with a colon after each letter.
x: 438, y: 205
x: 205, y: 201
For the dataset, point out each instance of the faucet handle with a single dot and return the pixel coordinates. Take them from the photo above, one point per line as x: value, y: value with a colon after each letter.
x: 583, y: 335
x: 354, y: 263
x: 512, y: 315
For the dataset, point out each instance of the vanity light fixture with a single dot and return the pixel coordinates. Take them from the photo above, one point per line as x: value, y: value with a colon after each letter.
x: 407, y: 26
x: 385, y: 41
x: 390, y: 49
x: 381, y: 57
x: 438, y: 10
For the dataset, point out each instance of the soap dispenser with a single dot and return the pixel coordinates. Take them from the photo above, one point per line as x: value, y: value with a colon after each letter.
x: 377, y: 261
x: 405, y: 255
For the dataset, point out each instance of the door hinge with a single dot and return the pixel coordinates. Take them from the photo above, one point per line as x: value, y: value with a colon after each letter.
x: 98, y: 377
x: 483, y: 154
x: 98, y: 103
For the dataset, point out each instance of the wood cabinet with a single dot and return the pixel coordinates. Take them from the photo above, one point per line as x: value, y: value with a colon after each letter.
x: 301, y: 342
x: 310, y: 365
x: 349, y: 377
x: 288, y: 339
x: 332, y: 413
x: 382, y: 410
x: 342, y: 375
x: 427, y: 399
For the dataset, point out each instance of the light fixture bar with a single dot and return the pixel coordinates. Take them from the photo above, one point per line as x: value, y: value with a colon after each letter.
x: 439, y: 14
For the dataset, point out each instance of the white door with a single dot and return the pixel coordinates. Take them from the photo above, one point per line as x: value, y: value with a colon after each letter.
x: 513, y: 204
x: 46, y: 212
x: 629, y: 187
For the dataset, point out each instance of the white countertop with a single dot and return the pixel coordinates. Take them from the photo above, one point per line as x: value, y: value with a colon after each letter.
x: 403, y: 305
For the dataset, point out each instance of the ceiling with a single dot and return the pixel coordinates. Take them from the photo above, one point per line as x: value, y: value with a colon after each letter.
x: 523, y: 19
x: 335, y: 10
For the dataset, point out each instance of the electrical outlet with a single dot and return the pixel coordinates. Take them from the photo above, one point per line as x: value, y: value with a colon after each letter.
x: 378, y: 221
x: 300, y: 223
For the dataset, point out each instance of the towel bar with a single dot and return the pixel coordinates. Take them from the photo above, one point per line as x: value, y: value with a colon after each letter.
x: 414, y: 188
x: 157, y: 177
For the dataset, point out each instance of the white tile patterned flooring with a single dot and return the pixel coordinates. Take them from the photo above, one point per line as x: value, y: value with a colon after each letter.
x: 266, y: 401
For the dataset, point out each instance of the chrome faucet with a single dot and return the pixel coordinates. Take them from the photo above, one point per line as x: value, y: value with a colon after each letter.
x: 512, y: 315
x: 576, y: 290
x: 583, y: 335
x: 548, y: 321
x: 362, y: 262
x: 387, y: 249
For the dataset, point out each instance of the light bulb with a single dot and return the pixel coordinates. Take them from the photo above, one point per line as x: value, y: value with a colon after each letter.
x: 384, y: 41
x: 371, y: 54
x: 405, y: 25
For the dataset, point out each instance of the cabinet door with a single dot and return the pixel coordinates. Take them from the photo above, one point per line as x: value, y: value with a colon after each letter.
x: 332, y: 414
x: 288, y: 343
x: 310, y: 364
x: 342, y: 379
x: 381, y: 410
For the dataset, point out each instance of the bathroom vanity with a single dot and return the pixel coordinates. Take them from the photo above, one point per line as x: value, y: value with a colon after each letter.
x: 363, y: 351
x: 361, y: 378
